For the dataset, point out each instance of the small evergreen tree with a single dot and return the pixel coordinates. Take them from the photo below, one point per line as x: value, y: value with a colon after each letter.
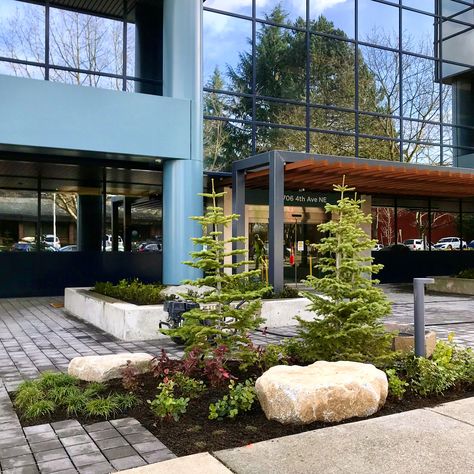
x: 229, y: 312
x: 348, y: 305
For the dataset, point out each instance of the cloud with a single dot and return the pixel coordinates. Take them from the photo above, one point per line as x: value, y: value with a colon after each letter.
x: 319, y: 6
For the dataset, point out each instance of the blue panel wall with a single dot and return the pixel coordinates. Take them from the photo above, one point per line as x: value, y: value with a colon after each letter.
x: 48, y: 115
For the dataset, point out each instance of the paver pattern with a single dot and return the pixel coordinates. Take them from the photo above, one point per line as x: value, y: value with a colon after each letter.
x: 36, y: 337
x: 68, y: 447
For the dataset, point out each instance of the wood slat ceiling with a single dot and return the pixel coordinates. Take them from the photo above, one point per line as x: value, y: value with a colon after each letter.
x: 371, y: 178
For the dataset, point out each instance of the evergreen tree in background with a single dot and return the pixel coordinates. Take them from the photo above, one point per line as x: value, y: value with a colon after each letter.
x: 232, y: 309
x: 280, y: 60
x: 347, y: 303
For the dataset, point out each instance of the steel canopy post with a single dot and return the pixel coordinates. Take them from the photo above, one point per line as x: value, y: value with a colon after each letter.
x: 238, y: 207
x: 276, y: 217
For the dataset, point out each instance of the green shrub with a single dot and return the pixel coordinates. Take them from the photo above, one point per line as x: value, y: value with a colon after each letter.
x: 188, y: 386
x: 103, y: 407
x: 42, y: 397
x: 287, y: 292
x: 239, y: 399
x: 132, y: 291
x: 396, y: 386
x: 125, y: 401
x: 165, y: 405
x: 27, y: 394
x: 468, y: 273
x: 49, y: 380
x: 274, y: 354
x: 39, y: 408
x: 449, y: 366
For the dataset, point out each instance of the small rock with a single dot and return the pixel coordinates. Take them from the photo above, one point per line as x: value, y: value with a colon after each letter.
x: 323, y: 391
x: 107, y: 367
x: 180, y: 290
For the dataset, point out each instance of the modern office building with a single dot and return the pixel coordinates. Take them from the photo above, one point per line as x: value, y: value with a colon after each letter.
x: 101, y: 118
x: 103, y: 142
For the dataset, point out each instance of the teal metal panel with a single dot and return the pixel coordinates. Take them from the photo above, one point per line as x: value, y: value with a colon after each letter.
x: 37, y: 114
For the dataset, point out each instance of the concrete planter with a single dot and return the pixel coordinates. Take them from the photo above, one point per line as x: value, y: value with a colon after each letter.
x: 404, y: 341
x: 125, y: 321
x: 459, y: 286
x: 130, y: 322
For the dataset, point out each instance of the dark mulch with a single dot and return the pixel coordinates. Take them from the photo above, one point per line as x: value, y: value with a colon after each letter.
x: 196, y: 433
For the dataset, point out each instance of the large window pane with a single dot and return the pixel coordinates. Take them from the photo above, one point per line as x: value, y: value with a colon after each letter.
x: 332, y: 144
x: 242, y: 7
x: 379, y: 84
x: 421, y: 94
x: 335, y: 18
x: 227, y: 50
x: 418, y: 33
x: 332, y: 79
x: 281, y: 63
x: 225, y: 142
x: 275, y: 138
x: 280, y: 12
x: 85, y: 42
x: 18, y: 220
x: 378, y: 23
x: 22, y: 31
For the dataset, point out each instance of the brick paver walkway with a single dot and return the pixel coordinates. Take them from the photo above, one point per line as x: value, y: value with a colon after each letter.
x: 36, y: 337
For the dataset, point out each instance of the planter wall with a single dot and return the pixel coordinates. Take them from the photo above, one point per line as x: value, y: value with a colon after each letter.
x: 459, y: 286
x: 130, y: 322
x: 125, y: 321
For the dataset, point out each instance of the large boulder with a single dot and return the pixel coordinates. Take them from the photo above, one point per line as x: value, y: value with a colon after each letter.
x: 323, y: 391
x: 107, y: 367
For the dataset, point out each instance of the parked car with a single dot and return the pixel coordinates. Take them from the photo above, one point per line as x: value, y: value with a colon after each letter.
x: 31, y: 247
x: 450, y: 243
x: 470, y: 245
x: 150, y: 246
x: 108, y: 243
x: 418, y: 244
x: 68, y: 248
x: 52, y: 240
x: 377, y: 247
x: 397, y: 248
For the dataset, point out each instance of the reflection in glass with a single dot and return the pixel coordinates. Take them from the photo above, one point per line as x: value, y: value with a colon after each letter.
x: 339, y: 15
x: 225, y: 43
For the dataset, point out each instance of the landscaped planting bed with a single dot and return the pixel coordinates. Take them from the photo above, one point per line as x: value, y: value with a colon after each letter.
x: 413, y: 383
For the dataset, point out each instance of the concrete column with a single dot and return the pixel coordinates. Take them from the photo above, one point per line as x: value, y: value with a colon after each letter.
x: 149, y: 45
x: 181, y: 185
x: 89, y: 223
x: 182, y: 179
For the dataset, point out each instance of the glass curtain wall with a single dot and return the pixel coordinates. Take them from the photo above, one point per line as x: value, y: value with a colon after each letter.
x: 349, y: 78
x: 41, y: 41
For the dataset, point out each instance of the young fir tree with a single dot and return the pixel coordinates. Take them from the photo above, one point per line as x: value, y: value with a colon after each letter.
x: 229, y: 312
x: 348, y: 305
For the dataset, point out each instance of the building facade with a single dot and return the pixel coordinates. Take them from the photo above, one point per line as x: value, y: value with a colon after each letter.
x: 100, y: 122
x: 111, y: 110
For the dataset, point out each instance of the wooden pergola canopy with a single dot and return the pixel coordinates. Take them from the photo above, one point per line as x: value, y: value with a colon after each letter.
x: 375, y: 177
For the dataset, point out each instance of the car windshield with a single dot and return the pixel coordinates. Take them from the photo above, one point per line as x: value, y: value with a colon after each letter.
x: 408, y: 242
x: 446, y: 239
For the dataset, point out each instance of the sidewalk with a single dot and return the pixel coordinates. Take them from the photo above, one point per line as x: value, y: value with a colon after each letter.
x: 425, y: 441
